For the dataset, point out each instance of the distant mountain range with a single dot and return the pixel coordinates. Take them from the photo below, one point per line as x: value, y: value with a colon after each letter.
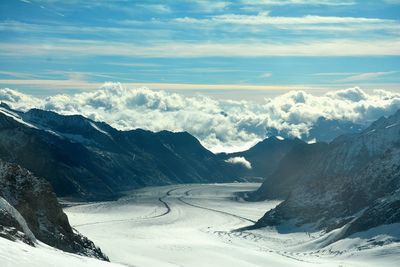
x: 267, y: 154
x: 92, y: 160
x: 352, y: 183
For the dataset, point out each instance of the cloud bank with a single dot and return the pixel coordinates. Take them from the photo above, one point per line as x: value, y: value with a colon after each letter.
x: 221, y: 125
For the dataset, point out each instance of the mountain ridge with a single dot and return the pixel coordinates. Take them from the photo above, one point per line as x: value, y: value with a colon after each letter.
x: 353, y: 182
x: 92, y: 160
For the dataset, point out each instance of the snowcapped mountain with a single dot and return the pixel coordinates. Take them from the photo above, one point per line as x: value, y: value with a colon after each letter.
x: 30, y: 212
x: 353, y: 183
x: 92, y: 160
x: 322, y: 130
x: 265, y: 156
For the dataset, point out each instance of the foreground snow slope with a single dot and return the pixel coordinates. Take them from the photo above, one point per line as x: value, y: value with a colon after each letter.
x: 18, y: 254
x: 191, y: 225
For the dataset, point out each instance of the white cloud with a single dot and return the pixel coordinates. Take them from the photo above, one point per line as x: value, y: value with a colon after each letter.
x: 300, y: 2
x: 366, y: 76
x: 158, y: 8
x: 263, y: 18
x: 266, y: 75
x: 211, y: 6
x: 81, y: 48
x: 239, y: 160
x: 218, y: 124
x: 308, y: 22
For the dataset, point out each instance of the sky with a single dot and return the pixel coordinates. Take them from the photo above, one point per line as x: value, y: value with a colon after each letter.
x: 240, y: 49
x: 225, y: 71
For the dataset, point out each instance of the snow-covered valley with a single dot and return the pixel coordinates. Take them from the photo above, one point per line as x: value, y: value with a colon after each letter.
x: 194, y: 225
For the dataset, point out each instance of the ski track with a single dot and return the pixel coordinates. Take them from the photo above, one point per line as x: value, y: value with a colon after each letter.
x: 160, y: 199
x: 214, y: 210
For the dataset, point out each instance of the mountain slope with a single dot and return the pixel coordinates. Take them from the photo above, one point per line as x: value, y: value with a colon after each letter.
x: 354, y: 182
x: 29, y: 210
x: 92, y: 160
x: 264, y: 156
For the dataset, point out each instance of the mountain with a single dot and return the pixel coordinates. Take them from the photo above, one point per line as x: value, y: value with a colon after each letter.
x: 29, y: 211
x: 264, y: 156
x: 323, y: 130
x: 292, y: 170
x: 351, y: 184
x: 92, y: 160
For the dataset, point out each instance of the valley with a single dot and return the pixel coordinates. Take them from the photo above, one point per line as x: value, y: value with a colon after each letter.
x: 195, y: 225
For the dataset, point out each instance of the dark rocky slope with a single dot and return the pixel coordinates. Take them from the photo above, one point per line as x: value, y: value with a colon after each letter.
x: 42, y: 216
x: 353, y: 182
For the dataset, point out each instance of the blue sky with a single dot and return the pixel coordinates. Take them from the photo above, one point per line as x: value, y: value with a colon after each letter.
x: 52, y: 46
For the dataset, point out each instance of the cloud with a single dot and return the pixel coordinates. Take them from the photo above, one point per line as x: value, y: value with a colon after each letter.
x: 239, y: 160
x: 158, y: 8
x: 303, y: 23
x: 264, y: 22
x: 263, y: 18
x: 366, y: 76
x: 91, y: 48
x: 266, y: 75
x: 211, y: 6
x: 219, y: 124
x: 300, y: 2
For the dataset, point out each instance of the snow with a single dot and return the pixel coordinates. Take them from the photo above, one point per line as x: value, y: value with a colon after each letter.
x: 100, y: 130
x: 194, y: 225
x: 18, y: 217
x: 391, y: 125
x: 312, y: 141
x: 18, y: 254
x: 16, y: 117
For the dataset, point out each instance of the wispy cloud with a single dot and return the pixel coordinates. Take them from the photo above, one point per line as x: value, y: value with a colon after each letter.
x: 76, y: 82
x: 308, y: 22
x: 266, y: 75
x: 79, y: 48
x: 366, y: 76
x: 212, y: 6
x: 300, y: 2
x: 158, y: 8
x: 334, y: 73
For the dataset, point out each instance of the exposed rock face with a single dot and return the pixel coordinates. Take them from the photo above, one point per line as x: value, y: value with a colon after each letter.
x: 35, y: 201
x: 353, y: 181
x: 92, y: 160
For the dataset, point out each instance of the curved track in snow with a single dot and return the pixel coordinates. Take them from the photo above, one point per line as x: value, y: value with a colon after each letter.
x: 194, y: 225
x: 214, y: 210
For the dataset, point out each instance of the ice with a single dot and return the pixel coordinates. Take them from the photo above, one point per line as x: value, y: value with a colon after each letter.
x: 194, y: 225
